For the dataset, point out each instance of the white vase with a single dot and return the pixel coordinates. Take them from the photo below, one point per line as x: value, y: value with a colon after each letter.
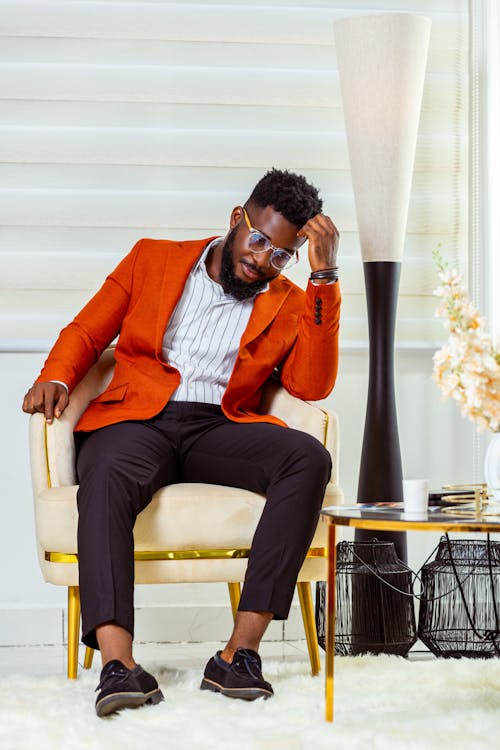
x: 492, y: 466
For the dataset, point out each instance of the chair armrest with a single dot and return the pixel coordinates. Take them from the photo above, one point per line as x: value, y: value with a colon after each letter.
x: 52, y: 447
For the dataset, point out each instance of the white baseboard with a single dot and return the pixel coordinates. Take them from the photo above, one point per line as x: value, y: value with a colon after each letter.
x: 157, y: 624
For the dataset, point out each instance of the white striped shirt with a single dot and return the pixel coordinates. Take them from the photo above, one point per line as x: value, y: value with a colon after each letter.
x: 203, y: 335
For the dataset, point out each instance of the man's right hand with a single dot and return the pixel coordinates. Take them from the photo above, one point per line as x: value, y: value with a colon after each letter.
x: 49, y: 398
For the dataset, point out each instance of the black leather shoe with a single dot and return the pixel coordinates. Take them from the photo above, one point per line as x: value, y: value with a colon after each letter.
x: 240, y: 679
x: 125, y: 688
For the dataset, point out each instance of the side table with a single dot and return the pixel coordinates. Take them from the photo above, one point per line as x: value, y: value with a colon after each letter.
x: 383, y: 517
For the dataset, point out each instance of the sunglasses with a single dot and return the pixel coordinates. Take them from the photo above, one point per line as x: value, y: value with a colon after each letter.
x: 260, y: 243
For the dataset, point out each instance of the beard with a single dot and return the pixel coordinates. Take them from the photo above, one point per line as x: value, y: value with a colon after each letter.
x: 240, y: 290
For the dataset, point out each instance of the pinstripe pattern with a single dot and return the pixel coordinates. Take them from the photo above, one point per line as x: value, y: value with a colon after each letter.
x: 203, y: 336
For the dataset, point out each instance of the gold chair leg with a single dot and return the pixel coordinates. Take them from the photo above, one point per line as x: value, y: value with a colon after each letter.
x: 234, y: 595
x: 306, y: 606
x: 89, y: 655
x: 73, y: 630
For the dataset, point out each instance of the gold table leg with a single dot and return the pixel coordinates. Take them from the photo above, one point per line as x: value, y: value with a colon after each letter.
x: 330, y: 622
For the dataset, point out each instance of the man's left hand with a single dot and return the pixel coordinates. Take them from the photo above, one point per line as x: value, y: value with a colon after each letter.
x: 323, y: 237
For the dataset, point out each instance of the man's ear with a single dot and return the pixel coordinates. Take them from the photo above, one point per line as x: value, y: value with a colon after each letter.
x: 236, y: 216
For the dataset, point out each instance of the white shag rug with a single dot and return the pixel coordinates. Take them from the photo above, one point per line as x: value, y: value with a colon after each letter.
x: 380, y: 702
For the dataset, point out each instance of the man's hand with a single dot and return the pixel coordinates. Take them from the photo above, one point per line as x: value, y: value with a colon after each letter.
x: 49, y: 398
x: 323, y: 238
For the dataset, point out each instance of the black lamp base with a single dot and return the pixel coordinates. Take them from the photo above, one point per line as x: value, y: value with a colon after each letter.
x: 380, y: 474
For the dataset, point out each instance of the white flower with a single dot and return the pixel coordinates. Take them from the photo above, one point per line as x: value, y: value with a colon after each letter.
x: 467, y: 367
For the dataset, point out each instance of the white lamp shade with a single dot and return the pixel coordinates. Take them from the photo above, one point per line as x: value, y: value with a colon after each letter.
x: 381, y: 61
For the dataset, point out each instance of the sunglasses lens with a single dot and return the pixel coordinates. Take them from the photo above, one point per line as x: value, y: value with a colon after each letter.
x: 258, y: 243
x: 280, y: 259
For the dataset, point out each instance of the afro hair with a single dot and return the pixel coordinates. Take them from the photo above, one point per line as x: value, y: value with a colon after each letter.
x: 288, y: 193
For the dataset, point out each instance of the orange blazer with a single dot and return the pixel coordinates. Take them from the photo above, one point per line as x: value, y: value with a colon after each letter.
x: 289, y: 331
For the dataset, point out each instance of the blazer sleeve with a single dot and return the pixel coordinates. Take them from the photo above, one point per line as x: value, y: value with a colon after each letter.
x: 310, y: 369
x: 81, y: 343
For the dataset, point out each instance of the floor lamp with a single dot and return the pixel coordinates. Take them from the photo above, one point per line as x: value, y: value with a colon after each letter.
x: 381, y: 62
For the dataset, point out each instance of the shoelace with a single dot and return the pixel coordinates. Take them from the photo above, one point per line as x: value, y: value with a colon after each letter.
x: 121, y: 675
x: 248, y: 663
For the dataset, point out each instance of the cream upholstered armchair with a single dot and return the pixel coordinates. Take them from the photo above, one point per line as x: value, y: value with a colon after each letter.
x: 189, y: 533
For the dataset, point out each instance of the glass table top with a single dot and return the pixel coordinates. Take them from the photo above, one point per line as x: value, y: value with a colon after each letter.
x: 392, y: 516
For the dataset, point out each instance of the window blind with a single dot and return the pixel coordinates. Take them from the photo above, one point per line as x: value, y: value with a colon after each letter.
x: 120, y: 120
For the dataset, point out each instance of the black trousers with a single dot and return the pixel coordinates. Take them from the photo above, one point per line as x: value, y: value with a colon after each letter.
x: 122, y: 465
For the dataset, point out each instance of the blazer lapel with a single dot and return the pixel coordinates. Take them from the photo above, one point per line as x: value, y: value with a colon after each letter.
x: 179, y: 261
x: 265, y: 309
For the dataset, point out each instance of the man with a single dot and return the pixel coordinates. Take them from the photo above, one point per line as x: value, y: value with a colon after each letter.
x: 201, y: 326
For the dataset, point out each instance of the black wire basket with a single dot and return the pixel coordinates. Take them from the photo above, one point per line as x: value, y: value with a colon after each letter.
x: 459, y: 609
x: 371, y: 616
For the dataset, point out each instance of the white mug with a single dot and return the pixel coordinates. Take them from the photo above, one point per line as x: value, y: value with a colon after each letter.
x: 415, y: 495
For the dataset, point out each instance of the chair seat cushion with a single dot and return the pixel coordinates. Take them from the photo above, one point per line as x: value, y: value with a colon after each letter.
x: 179, y: 517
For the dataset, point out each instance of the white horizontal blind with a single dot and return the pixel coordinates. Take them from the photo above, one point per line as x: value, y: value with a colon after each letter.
x: 120, y: 120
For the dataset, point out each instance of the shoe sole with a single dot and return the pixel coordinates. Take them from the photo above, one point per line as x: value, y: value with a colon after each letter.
x: 117, y: 701
x: 246, y: 694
